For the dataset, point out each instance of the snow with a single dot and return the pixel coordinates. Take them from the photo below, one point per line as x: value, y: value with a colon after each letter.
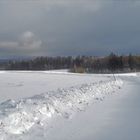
x: 22, y: 84
x: 116, y: 118
x: 34, y: 102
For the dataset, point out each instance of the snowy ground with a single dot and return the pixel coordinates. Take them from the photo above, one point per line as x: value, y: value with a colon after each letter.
x: 58, y: 105
x: 15, y: 85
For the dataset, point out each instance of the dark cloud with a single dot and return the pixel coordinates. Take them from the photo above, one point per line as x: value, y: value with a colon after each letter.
x: 69, y: 27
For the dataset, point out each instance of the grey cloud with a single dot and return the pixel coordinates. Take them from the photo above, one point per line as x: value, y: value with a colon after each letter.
x: 26, y: 42
x: 69, y: 27
x: 8, y: 44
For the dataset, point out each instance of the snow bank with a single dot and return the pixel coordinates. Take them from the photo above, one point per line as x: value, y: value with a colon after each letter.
x: 127, y: 74
x: 18, y: 117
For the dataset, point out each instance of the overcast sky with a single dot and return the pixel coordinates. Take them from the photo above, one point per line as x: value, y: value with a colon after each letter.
x: 69, y: 27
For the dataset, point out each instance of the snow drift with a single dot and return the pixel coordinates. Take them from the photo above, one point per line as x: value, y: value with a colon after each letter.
x: 19, y: 116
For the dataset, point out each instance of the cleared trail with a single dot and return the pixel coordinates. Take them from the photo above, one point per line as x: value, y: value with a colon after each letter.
x: 116, y: 118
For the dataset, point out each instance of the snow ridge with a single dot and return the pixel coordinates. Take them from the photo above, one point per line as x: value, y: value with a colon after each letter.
x: 18, y: 117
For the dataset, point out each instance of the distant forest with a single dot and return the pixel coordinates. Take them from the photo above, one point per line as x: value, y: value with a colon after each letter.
x: 80, y: 64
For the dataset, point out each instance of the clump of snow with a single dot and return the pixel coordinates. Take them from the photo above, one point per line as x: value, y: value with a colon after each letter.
x: 18, y: 117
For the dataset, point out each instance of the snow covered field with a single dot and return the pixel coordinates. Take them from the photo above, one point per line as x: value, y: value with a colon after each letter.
x: 15, y: 85
x: 35, y: 105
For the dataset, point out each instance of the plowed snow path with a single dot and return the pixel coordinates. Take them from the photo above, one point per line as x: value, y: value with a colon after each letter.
x: 116, y: 118
x: 20, y: 117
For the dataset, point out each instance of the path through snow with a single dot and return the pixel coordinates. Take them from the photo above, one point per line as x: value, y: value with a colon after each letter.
x: 17, y: 117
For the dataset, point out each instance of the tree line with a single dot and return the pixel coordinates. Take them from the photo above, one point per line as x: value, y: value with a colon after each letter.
x: 89, y: 64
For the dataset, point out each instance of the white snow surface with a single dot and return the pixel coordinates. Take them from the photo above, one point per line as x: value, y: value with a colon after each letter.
x: 70, y: 94
x: 22, y: 84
